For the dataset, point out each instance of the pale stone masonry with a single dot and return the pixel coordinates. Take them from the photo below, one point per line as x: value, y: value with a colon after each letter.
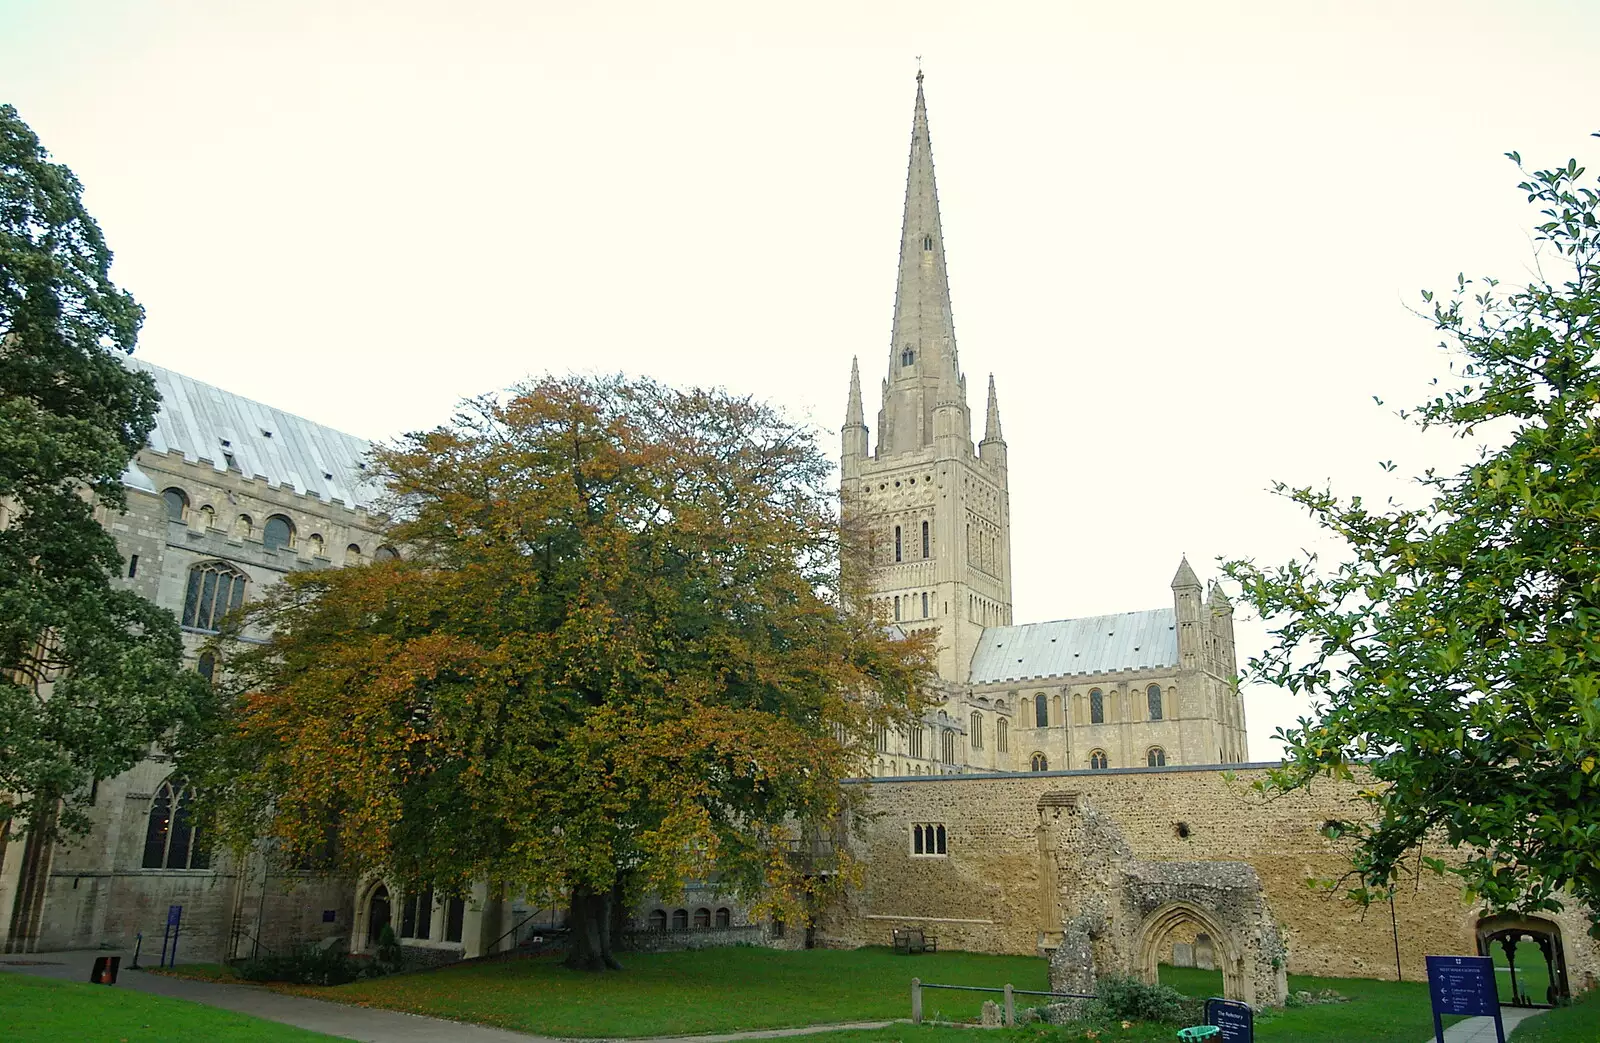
x: 1130, y: 689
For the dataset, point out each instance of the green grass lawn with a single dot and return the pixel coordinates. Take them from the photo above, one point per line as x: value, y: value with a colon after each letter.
x: 36, y: 1010
x: 713, y: 990
x: 1533, y: 974
x: 1579, y: 1023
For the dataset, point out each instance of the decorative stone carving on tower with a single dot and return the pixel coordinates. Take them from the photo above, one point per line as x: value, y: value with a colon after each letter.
x: 937, y: 507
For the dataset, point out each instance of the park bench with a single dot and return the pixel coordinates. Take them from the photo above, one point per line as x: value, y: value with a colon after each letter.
x: 910, y: 940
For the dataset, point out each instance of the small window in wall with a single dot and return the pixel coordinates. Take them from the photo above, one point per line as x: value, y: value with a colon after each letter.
x: 1156, y: 757
x: 208, y: 517
x: 1002, y: 738
x: 1041, y: 712
x: 897, y: 543
x: 897, y: 608
x: 927, y: 242
x: 680, y: 919
x: 177, y: 504
x: 1097, y: 707
x: 1039, y: 762
x: 907, y: 357
x: 1097, y: 760
x: 658, y: 919
x: 702, y: 917
x: 1153, y: 697
x: 724, y: 918
x: 928, y: 838
x: 133, y: 565
x: 207, y: 666
x: 455, y: 915
x: 924, y: 604
x: 278, y: 533
x: 243, y: 527
x: 927, y: 541
x: 352, y: 554
x: 314, y: 545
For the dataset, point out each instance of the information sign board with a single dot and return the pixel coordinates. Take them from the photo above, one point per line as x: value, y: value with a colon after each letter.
x: 174, y: 915
x: 1463, y: 985
x: 1236, y: 1020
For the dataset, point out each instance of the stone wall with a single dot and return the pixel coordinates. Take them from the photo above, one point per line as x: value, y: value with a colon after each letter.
x: 997, y: 888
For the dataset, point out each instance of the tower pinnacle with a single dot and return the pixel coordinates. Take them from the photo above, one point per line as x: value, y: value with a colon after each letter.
x: 991, y: 425
x: 924, y: 371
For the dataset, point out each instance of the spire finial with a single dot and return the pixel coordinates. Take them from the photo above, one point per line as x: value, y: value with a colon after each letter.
x: 919, y: 70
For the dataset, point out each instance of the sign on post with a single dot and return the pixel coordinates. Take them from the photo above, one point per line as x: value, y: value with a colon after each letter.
x: 1236, y: 1020
x: 174, y: 922
x: 1463, y: 985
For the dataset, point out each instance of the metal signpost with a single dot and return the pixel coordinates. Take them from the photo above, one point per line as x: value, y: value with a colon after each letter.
x: 174, y: 919
x: 1463, y: 985
x: 1236, y: 1020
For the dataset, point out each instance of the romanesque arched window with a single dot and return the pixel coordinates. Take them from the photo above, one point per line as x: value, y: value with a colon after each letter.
x: 724, y: 918
x: 314, y: 545
x: 278, y: 533
x: 1097, y: 707
x: 702, y: 917
x: 170, y: 839
x: 1039, y: 762
x: 1002, y: 741
x: 927, y: 543
x: 897, y: 608
x: 658, y: 919
x: 977, y: 730
x: 947, y: 746
x: 680, y: 919
x: 177, y: 504
x: 385, y: 553
x: 207, y: 666
x: 1153, y: 697
x: 215, y: 589
x: 1097, y: 760
x: 243, y: 527
x: 208, y: 517
x: 1156, y: 757
x: 352, y: 554
x: 924, y: 604
x: 927, y: 242
x: 1041, y: 711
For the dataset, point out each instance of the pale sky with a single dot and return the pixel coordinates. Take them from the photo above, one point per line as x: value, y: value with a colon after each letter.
x: 1183, y: 236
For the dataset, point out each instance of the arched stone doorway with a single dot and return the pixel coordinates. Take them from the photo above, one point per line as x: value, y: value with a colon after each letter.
x: 1154, y: 941
x: 372, y: 915
x: 1536, y: 966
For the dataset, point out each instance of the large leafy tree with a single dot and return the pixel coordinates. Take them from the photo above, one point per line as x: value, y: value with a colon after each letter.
x: 613, y: 656
x: 1455, y: 646
x: 89, y: 675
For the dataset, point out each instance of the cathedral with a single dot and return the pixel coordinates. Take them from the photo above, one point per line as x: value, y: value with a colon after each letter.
x: 1146, y: 688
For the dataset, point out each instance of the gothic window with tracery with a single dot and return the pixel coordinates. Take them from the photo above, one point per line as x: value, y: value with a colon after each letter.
x: 1156, y: 757
x: 1039, y: 762
x: 1002, y: 740
x: 170, y: 839
x: 977, y: 730
x: 215, y: 589
x: 947, y: 746
x: 1097, y: 760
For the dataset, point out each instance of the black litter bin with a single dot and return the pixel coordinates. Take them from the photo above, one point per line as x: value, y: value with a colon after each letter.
x: 105, y: 970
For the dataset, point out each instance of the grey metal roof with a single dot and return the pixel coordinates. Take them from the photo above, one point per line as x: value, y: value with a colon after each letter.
x: 1090, y: 645
x: 207, y: 423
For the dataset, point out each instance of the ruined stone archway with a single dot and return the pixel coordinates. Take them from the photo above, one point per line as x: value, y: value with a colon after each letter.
x: 1151, y: 942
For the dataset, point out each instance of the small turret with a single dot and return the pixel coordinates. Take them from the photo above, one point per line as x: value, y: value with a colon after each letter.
x: 993, y: 447
x: 854, y: 433
x: 1186, y: 605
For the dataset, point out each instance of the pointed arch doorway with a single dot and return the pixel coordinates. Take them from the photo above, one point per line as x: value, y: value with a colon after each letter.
x: 378, y: 912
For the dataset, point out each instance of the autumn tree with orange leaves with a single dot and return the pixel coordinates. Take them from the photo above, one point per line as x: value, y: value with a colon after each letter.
x: 613, y: 657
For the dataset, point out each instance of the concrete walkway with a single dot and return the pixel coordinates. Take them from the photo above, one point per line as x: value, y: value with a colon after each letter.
x: 367, y: 1024
x: 1481, y: 1030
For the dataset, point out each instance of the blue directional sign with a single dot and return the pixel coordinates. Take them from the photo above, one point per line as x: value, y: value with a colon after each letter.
x: 1463, y: 985
x: 1236, y: 1020
x: 174, y: 915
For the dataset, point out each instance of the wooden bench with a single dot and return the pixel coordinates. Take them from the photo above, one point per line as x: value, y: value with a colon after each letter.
x: 911, y: 940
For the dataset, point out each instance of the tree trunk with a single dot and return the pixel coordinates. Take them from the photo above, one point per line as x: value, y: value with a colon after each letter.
x: 590, y: 921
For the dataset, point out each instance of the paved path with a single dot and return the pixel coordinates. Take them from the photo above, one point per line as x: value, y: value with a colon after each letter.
x: 367, y: 1024
x: 1481, y: 1030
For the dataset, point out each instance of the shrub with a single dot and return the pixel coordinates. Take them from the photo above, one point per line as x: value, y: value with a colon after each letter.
x: 305, y: 965
x: 1118, y: 998
x: 388, y: 949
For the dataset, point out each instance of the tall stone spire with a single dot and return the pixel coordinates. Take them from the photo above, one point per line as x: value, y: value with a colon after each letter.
x: 991, y: 425
x: 924, y: 370
x: 853, y: 435
x: 853, y: 413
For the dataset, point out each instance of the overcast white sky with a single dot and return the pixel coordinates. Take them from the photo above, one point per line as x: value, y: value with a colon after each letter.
x: 1183, y: 236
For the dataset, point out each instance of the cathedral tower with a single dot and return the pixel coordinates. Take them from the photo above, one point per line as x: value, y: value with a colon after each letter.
x: 937, y: 509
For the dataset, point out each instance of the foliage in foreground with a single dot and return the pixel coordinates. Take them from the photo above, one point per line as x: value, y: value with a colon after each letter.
x: 90, y: 675
x: 1458, y: 645
x: 310, y: 964
x: 615, y: 656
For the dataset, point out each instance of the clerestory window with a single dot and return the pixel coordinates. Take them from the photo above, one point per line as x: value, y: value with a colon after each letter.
x: 215, y: 589
x: 170, y: 839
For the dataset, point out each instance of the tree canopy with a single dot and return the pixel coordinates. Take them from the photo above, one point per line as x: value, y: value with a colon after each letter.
x: 1456, y: 647
x: 613, y: 656
x: 90, y: 675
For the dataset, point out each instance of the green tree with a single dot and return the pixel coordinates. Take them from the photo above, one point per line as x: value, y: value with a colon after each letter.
x: 1456, y: 647
x: 89, y: 675
x: 614, y: 656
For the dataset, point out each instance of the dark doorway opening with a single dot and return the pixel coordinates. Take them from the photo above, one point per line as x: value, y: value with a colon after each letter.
x: 1530, y: 967
x: 377, y: 914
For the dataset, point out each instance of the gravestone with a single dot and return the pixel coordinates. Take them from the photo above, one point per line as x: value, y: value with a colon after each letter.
x: 1182, y: 954
x: 1204, y: 955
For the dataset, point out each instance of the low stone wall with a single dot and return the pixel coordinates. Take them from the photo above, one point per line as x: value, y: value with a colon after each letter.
x: 674, y: 940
